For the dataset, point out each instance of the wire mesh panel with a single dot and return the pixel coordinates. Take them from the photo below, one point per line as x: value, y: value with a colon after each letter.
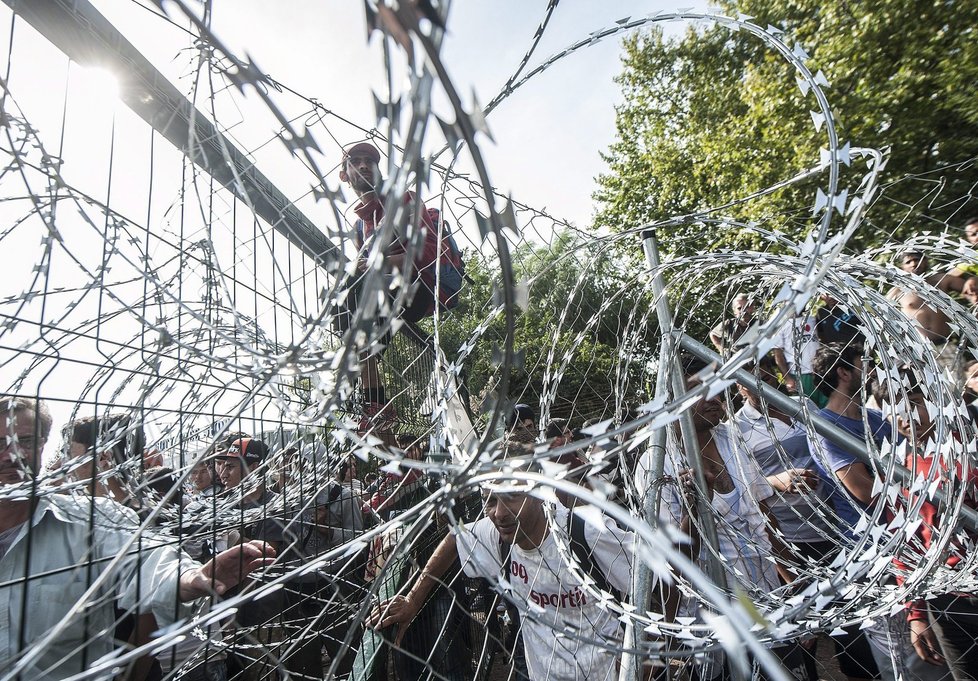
x: 288, y: 395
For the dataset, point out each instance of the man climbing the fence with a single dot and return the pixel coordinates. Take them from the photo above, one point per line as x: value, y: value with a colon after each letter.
x: 417, y: 255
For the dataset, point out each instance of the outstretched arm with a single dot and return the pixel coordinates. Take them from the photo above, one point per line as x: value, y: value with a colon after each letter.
x: 225, y: 570
x: 403, y: 609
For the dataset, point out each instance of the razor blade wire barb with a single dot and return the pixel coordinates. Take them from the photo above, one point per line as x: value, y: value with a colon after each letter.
x: 218, y: 319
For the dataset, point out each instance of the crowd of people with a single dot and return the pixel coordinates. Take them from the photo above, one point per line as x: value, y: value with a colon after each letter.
x: 111, y: 548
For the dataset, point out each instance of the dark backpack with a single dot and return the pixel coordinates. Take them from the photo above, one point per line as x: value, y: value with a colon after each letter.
x: 451, y: 265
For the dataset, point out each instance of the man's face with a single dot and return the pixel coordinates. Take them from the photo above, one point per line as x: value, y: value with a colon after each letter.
x: 707, y: 413
x: 565, y: 436
x: 919, y: 415
x: 850, y: 377
x: 200, y: 477
x: 514, y: 515
x: 83, y: 463
x: 361, y: 172
x: 766, y: 375
x: 913, y: 263
x: 230, y: 472
x: 17, y: 459
x: 971, y: 233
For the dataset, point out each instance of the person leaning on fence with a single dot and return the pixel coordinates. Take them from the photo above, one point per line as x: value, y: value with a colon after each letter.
x: 943, y: 629
x: 754, y: 555
x: 53, y: 547
x: 516, y: 541
x: 432, y: 274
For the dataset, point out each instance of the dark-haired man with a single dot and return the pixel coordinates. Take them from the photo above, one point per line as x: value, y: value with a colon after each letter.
x: 540, y: 581
x: 361, y: 170
x: 839, y: 370
x: 852, y: 484
x: 70, y: 542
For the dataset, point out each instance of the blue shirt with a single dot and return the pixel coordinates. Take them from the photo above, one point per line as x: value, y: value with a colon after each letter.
x: 830, y: 457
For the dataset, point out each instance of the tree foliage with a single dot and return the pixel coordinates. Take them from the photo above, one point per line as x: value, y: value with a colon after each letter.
x: 716, y: 115
x: 577, y: 305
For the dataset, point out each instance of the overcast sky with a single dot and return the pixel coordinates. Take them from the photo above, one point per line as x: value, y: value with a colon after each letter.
x: 548, y: 135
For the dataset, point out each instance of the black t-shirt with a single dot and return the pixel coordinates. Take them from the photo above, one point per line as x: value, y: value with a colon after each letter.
x: 835, y: 325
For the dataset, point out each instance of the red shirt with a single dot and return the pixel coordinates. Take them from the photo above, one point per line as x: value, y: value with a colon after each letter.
x: 371, y: 213
x: 922, y: 465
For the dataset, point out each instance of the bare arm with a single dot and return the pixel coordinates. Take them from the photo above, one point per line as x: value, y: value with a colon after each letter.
x: 962, y: 282
x: 781, y: 554
x: 858, y: 481
x: 782, y: 363
x: 403, y: 609
x: 716, y: 337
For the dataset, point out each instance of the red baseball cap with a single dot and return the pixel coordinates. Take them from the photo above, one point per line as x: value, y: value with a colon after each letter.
x: 362, y: 149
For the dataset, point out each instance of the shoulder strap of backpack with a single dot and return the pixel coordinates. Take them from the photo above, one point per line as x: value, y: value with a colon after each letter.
x: 335, y: 490
x: 584, y: 554
x: 504, y: 551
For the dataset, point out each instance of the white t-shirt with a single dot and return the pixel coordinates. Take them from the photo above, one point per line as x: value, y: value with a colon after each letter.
x: 799, y: 334
x: 741, y: 526
x: 558, y: 603
x: 777, y: 446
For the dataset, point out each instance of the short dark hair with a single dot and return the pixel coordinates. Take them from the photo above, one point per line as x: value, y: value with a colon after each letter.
x: 161, y: 480
x: 909, y: 383
x: 520, y: 413
x: 556, y: 428
x: 829, y: 358
x: 970, y: 221
x: 691, y: 365
x: 88, y: 431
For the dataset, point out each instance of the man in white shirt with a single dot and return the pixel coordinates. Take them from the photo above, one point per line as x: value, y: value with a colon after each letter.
x: 53, y: 548
x: 738, y: 493
x: 562, y: 620
x: 778, y: 443
x: 797, y: 343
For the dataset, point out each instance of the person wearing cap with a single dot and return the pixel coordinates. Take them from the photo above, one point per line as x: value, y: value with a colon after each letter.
x: 282, y: 615
x: 242, y: 458
x: 934, y: 324
x: 53, y: 548
x: 361, y: 170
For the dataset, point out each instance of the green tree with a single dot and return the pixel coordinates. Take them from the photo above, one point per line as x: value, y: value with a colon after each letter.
x: 599, y: 300
x: 716, y: 115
